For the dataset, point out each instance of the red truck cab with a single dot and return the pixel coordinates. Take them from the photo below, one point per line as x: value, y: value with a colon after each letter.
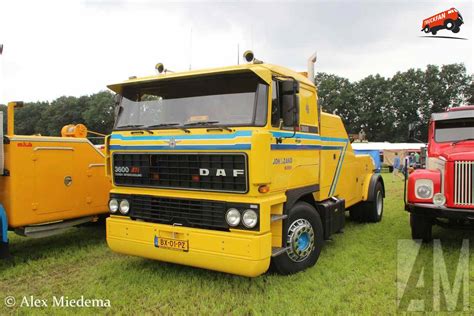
x: 443, y: 193
x: 450, y: 19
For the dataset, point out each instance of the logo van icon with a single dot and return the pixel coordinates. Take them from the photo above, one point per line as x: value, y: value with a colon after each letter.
x: 450, y: 20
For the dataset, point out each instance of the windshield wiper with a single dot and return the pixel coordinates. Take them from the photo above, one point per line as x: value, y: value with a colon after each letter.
x: 168, y: 124
x: 134, y: 126
x: 463, y: 140
x: 130, y: 126
x: 201, y: 123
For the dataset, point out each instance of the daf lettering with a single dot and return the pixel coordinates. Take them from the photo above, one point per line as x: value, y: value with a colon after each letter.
x: 220, y: 172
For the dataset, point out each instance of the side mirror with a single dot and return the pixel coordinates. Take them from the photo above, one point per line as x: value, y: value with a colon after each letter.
x: 288, y: 87
x: 117, y: 99
x: 290, y: 109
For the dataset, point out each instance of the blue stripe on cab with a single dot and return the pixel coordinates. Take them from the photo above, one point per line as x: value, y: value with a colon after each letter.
x: 184, y: 147
x: 198, y: 136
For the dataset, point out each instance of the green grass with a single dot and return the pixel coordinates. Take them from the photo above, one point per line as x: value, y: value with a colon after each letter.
x: 356, y: 273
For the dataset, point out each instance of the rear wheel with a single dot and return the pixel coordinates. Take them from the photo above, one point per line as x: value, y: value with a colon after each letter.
x: 456, y: 29
x: 434, y: 32
x: 426, y: 29
x: 369, y: 211
x: 421, y: 227
x: 303, y: 240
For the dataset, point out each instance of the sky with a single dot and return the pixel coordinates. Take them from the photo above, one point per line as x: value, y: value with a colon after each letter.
x: 56, y: 48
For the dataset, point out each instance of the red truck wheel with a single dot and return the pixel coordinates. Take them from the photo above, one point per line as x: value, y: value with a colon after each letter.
x: 426, y: 29
x: 456, y: 29
x: 421, y: 227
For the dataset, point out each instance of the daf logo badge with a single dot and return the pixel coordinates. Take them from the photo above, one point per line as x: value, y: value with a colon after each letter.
x: 172, y: 142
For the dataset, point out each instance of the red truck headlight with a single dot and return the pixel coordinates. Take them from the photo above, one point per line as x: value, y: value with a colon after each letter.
x: 424, y: 189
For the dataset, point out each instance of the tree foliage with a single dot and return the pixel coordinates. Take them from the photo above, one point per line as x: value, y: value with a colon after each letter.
x: 47, y: 118
x: 384, y: 107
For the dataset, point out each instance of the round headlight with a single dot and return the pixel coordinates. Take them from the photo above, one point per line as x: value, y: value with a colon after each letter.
x: 124, y: 207
x: 423, y: 191
x: 232, y: 217
x: 439, y: 199
x: 113, y: 206
x: 250, y: 218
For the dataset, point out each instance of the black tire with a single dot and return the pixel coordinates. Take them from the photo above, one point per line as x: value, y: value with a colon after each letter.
x: 421, y: 227
x: 369, y: 211
x: 449, y: 24
x: 456, y: 29
x: 434, y: 32
x: 426, y: 29
x: 296, y: 259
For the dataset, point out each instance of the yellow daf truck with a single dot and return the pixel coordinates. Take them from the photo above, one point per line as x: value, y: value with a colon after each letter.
x: 232, y: 169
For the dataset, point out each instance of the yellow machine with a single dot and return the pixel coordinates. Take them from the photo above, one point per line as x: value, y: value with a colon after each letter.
x: 232, y: 169
x: 49, y: 184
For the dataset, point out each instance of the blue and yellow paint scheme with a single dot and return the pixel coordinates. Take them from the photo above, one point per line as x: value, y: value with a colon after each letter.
x: 282, y: 160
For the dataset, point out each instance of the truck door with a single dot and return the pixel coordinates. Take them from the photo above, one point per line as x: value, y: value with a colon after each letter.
x: 53, y: 179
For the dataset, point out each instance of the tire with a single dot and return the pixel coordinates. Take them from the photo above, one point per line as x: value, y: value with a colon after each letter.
x: 456, y: 29
x: 421, y: 227
x: 434, y: 32
x: 369, y: 211
x: 305, y: 238
x: 426, y: 29
x: 449, y: 24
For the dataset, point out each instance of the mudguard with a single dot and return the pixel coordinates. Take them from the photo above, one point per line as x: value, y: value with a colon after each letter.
x: 376, y: 177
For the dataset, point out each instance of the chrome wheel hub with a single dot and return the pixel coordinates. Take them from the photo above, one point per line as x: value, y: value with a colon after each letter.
x: 300, y: 240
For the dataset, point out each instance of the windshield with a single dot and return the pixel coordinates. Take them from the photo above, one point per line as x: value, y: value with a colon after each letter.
x: 454, y: 130
x: 227, y: 100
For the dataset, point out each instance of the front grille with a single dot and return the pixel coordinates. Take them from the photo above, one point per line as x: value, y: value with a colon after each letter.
x: 464, y: 183
x: 190, y: 213
x: 197, y: 171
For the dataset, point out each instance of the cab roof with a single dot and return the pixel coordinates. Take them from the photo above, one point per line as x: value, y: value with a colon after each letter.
x: 264, y: 71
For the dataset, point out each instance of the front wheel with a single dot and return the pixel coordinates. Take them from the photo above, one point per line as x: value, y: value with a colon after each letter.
x: 449, y: 24
x: 303, y: 239
x: 434, y: 32
x: 456, y: 29
x: 421, y: 227
x: 426, y: 29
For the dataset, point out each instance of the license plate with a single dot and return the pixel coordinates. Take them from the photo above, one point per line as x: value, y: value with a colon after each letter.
x: 176, y: 244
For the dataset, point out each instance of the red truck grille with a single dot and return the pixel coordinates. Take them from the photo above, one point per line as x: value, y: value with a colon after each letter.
x: 463, y: 183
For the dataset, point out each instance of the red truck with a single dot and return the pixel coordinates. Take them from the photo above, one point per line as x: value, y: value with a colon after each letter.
x: 443, y: 193
x: 450, y: 19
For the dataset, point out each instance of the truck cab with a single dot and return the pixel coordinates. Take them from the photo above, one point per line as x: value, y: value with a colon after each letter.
x: 230, y: 169
x: 443, y: 193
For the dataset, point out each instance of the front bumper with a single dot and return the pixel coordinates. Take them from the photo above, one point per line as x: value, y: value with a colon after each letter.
x: 439, y: 211
x: 243, y: 254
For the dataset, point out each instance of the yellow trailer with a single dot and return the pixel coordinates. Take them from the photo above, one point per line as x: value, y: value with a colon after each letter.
x: 232, y: 169
x: 49, y: 184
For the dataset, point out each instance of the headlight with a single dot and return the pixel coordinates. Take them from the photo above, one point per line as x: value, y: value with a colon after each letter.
x: 439, y: 199
x: 124, y: 207
x: 113, y: 206
x: 424, y: 189
x: 232, y: 217
x: 250, y: 218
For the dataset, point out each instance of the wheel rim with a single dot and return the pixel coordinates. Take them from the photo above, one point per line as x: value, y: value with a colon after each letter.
x: 379, y: 203
x: 300, y: 240
x: 449, y: 25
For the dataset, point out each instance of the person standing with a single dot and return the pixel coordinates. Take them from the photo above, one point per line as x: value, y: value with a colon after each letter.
x: 396, y: 167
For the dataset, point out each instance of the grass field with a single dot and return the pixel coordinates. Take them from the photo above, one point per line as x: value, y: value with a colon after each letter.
x: 357, y: 272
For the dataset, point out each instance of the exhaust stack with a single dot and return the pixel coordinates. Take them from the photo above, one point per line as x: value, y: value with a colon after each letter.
x: 311, y: 62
